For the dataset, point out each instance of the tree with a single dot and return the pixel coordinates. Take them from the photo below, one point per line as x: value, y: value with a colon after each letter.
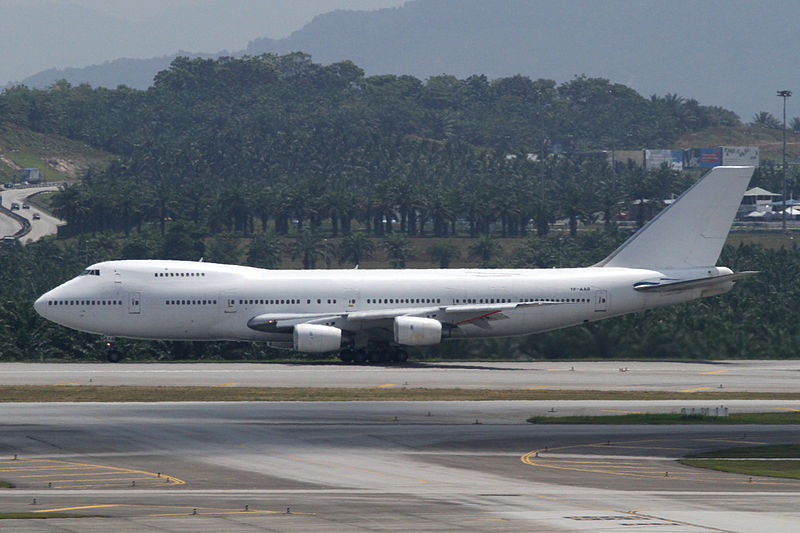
x: 355, y: 247
x: 485, y: 249
x: 444, y: 252
x: 265, y: 251
x: 311, y: 247
x: 225, y: 248
x: 767, y: 120
x: 398, y: 249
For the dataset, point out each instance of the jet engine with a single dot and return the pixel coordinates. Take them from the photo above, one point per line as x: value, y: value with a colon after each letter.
x: 316, y: 338
x: 415, y: 331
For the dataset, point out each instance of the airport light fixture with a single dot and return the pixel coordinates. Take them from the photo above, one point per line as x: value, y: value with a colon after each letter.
x: 784, y: 94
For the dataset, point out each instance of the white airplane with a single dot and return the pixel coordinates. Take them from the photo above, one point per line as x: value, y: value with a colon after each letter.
x: 372, y: 314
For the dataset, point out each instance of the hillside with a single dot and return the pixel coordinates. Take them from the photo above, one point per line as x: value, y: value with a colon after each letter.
x: 57, y: 157
x: 769, y: 141
x: 651, y: 47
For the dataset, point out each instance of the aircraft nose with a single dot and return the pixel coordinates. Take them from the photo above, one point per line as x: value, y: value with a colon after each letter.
x: 40, y: 305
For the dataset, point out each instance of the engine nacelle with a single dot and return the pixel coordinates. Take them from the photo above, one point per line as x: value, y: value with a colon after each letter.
x: 415, y: 331
x: 315, y: 338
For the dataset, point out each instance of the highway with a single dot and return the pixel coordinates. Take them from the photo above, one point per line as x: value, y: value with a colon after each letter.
x: 47, y: 225
x: 376, y: 466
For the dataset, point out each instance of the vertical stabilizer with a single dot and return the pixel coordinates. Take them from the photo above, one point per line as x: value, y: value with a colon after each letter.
x: 690, y: 232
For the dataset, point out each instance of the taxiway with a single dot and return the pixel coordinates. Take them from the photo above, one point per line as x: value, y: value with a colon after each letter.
x: 378, y: 466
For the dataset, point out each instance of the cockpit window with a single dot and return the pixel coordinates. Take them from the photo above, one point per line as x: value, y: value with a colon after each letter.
x: 90, y: 272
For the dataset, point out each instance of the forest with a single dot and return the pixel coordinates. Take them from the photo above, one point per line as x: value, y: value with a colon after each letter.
x: 276, y: 161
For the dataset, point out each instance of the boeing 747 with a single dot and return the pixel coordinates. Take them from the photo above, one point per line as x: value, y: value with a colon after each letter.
x: 374, y: 314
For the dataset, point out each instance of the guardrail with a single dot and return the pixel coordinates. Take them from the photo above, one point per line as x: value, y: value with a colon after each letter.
x: 24, y: 222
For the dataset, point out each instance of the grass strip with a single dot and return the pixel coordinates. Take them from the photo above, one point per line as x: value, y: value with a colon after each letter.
x: 127, y: 393
x: 749, y: 460
x: 790, y: 417
x: 752, y: 467
x: 772, y: 451
x: 6, y: 485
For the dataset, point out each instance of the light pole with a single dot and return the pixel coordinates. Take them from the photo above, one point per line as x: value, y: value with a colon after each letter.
x: 784, y: 94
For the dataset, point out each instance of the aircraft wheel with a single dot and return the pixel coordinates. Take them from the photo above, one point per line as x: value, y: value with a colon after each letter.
x: 359, y: 356
x: 347, y: 356
x: 114, y: 355
x: 401, y: 356
x: 376, y: 356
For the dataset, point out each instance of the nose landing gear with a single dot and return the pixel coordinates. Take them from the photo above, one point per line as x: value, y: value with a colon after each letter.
x: 112, y: 354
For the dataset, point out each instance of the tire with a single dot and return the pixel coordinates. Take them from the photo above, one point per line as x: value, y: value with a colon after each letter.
x: 114, y: 356
x: 359, y: 356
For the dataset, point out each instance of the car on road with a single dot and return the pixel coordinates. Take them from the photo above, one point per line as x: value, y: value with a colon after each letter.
x: 26, y: 206
x: 14, y: 206
x: 37, y: 216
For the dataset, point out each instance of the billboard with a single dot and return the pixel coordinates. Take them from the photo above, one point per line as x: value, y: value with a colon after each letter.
x: 703, y: 158
x: 740, y: 155
x: 656, y: 158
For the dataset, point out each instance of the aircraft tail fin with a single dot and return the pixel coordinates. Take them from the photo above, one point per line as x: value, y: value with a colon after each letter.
x: 690, y: 232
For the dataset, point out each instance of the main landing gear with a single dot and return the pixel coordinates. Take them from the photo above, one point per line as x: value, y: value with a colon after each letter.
x: 384, y: 354
x: 113, y: 354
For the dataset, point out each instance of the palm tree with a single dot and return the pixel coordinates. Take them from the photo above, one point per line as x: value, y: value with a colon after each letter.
x: 355, y: 247
x: 398, y: 249
x: 485, y: 249
x: 310, y: 246
x: 444, y: 252
x: 265, y: 251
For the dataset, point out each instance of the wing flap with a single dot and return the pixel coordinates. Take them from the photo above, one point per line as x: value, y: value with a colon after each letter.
x: 476, y: 314
x: 277, y: 322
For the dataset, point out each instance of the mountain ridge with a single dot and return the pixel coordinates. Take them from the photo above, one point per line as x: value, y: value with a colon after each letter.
x: 712, y: 52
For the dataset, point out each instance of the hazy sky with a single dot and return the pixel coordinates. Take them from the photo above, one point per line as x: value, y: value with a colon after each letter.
x: 39, y: 34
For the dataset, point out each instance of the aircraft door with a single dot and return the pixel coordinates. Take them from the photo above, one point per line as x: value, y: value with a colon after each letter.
x: 601, y: 301
x: 134, y: 303
x: 228, y: 301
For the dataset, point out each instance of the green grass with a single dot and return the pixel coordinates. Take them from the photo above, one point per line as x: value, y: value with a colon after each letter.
x: 752, y: 467
x: 6, y: 485
x: 745, y: 460
x: 92, y: 393
x: 56, y: 157
x: 673, y: 418
x: 773, y: 451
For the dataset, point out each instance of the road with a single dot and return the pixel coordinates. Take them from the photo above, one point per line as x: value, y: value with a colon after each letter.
x: 47, y: 225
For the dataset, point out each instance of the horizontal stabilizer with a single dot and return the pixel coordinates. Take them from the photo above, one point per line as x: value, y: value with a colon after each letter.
x: 670, y: 286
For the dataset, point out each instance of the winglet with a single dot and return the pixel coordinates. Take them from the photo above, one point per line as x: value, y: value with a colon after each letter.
x: 690, y: 232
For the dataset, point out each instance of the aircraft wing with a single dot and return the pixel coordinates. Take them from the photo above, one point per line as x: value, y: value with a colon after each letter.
x: 451, y: 315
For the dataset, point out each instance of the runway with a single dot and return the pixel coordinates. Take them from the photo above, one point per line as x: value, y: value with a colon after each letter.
x: 720, y: 376
x: 377, y: 466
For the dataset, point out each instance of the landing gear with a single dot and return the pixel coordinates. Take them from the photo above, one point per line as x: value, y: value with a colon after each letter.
x: 399, y: 355
x: 113, y: 354
x: 359, y: 356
